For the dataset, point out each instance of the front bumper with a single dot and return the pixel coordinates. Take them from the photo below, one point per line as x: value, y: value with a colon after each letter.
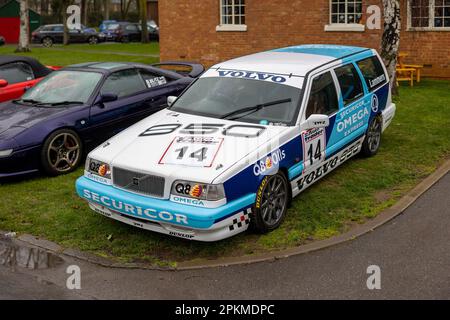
x: 20, y: 163
x: 164, y: 216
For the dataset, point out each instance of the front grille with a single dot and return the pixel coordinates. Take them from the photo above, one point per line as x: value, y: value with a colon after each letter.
x: 139, y: 182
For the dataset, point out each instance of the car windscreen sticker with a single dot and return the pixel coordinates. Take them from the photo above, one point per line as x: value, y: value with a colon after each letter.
x: 192, y: 151
x: 285, y: 79
x: 154, y: 82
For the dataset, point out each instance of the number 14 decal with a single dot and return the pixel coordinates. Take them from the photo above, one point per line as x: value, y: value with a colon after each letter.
x: 314, y: 144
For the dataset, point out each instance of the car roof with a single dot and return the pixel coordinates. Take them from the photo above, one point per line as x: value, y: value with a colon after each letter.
x: 295, y: 60
x: 39, y: 69
x: 110, y: 67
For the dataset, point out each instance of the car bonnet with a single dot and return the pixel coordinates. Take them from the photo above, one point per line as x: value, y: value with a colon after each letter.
x: 163, y: 145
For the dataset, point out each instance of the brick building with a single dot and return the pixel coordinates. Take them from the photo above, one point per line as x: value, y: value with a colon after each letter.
x: 210, y: 31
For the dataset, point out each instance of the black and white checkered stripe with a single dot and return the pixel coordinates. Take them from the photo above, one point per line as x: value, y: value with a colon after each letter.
x: 242, y: 220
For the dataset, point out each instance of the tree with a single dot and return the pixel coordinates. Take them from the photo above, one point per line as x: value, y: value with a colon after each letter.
x: 24, y: 37
x: 390, y: 40
x: 106, y: 8
x: 65, y: 4
x: 124, y: 8
x: 143, y: 17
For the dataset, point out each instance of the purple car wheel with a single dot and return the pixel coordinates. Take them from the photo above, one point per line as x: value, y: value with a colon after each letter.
x: 62, y: 152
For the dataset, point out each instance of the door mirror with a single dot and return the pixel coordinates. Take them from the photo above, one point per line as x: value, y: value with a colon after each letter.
x: 171, y: 100
x: 108, y: 97
x: 3, y: 83
x: 316, y: 121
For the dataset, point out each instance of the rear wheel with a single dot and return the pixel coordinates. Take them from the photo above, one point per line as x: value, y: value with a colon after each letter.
x: 271, y: 203
x: 372, y: 141
x: 61, y: 152
x: 47, y: 42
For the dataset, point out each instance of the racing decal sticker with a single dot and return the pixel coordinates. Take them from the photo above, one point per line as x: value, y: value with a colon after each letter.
x: 243, y: 220
x: 308, y: 179
x: 269, y: 163
x: 314, y: 146
x: 375, y: 103
x: 252, y: 75
x: 192, y: 151
x: 155, y: 82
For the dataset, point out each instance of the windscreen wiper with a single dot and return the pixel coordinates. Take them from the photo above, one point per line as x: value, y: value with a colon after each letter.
x: 61, y: 103
x: 253, y: 109
x: 26, y: 101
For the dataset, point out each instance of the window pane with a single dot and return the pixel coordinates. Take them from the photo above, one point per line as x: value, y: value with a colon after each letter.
x: 16, y: 72
x: 350, y: 83
x: 123, y: 83
x: 373, y: 72
x: 323, y: 97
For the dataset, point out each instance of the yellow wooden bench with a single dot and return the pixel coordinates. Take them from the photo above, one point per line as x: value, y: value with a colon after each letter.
x: 406, y: 74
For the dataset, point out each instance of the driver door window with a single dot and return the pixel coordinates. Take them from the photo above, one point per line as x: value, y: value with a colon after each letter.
x: 124, y: 83
x: 16, y: 72
x: 323, y: 97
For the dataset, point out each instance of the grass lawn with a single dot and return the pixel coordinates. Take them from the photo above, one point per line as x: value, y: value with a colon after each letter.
x: 60, y: 55
x: 415, y: 144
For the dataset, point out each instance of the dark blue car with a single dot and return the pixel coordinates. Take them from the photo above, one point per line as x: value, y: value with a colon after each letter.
x: 76, y: 108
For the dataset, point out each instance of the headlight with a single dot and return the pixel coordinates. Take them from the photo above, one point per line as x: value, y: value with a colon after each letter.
x: 201, y: 191
x: 5, y: 153
x: 98, y: 168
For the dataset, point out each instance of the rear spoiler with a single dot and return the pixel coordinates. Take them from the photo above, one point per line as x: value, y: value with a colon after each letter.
x: 189, y: 69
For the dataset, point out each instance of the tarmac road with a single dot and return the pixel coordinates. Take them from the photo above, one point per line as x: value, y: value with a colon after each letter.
x: 412, y: 251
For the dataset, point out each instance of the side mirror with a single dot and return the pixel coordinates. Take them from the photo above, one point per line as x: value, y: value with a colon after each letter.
x: 107, y: 97
x: 171, y: 100
x: 3, y: 83
x: 316, y: 121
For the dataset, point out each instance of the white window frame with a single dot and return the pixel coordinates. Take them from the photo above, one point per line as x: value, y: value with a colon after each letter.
x: 233, y: 26
x: 346, y: 27
x: 431, y: 18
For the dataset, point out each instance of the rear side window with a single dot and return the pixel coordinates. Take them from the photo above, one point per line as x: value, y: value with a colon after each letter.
x: 16, y: 72
x: 323, y: 97
x: 373, y: 72
x: 350, y: 83
x: 124, y: 83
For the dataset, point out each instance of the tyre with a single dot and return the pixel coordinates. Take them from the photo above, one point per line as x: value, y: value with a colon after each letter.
x: 271, y: 204
x: 61, y: 152
x: 47, y: 42
x: 92, y: 40
x: 372, y: 140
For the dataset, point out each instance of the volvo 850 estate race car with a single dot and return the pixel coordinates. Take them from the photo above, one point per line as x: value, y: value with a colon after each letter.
x: 234, y: 148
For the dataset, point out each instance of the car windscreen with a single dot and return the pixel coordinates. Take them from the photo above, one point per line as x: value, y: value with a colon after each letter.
x: 244, y: 100
x: 64, y: 86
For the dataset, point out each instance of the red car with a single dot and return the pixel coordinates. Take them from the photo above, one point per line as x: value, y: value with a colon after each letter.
x: 18, y: 74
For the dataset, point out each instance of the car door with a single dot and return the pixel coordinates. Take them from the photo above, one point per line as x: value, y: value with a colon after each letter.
x: 57, y: 33
x: 19, y: 76
x: 109, y: 118
x: 351, y: 121
x: 322, y: 100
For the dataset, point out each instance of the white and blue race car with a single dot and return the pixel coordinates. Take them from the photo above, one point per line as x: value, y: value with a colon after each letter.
x: 233, y: 149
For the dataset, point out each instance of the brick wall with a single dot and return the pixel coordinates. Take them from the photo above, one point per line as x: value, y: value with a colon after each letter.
x: 188, y: 32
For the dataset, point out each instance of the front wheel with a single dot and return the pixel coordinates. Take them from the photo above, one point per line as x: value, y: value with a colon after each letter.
x: 271, y: 203
x: 47, y: 42
x: 372, y: 140
x: 61, y: 152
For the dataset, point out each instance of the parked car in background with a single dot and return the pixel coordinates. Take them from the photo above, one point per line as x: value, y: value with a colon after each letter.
x: 18, y: 74
x: 2, y: 41
x: 54, y: 33
x: 104, y: 25
x: 77, y: 108
x: 123, y: 32
x: 153, y: 30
